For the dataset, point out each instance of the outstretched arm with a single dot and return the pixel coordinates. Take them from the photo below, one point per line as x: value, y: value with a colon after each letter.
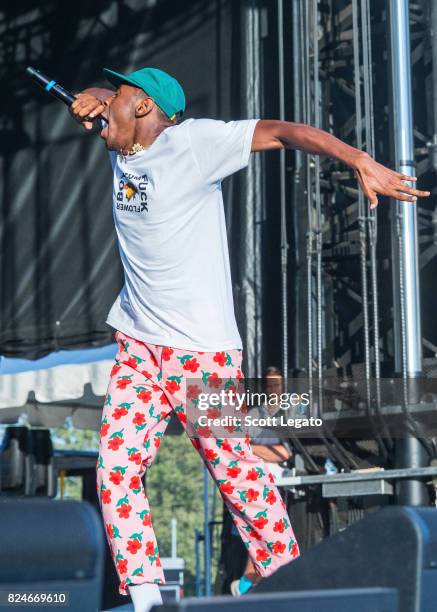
x: 372, y: 176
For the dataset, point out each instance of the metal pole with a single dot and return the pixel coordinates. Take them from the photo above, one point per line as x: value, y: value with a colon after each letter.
x: 434, y: 78
x: 284, y: 240
x: 410, y: 452
x: 299, y: 221
x: 318, y: 211
x: 198, y: 579
x: 252, y: 214
x: 174, y: 535
x: 207, y: 542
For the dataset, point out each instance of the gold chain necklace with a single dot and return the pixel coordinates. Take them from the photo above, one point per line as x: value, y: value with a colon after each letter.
x: 136, y: 148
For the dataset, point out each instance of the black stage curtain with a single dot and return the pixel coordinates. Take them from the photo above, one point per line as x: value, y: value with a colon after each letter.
x: 60, y: 267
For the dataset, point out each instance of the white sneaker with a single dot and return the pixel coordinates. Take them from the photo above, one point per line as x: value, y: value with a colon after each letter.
x: 235, y: 588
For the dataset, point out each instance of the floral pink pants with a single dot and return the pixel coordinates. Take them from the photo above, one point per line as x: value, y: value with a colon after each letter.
x: 147, y: 383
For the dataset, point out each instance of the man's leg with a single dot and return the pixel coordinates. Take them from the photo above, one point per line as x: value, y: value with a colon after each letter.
x: 135, y: 416
x: 244, y: 481
x: 253, y: 500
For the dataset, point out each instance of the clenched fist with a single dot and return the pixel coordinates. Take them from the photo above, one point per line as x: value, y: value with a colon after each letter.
x: 89, y: 105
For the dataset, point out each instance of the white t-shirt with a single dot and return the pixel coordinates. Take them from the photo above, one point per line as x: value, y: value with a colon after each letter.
x: 170, y: 222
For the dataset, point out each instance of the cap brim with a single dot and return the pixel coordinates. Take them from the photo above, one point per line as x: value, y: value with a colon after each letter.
x: 118, y: 79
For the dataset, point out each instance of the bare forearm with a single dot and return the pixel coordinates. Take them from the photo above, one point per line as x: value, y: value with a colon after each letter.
x: 318, y: 142
x: 273, y: 134
x: 275, y: 454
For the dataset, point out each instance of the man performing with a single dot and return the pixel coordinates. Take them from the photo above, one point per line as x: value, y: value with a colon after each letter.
x: 174, y: 315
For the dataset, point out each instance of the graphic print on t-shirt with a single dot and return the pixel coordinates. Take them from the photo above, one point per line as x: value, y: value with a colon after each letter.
x: 132, y: 196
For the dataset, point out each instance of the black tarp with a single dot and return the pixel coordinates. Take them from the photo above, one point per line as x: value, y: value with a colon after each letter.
x: 60, y: 268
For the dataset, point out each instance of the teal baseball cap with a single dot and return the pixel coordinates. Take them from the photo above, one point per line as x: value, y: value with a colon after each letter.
x: 163, y: 88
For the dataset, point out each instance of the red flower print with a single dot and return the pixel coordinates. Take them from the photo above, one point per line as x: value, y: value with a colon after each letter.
x: 115, y: 443
x: 252, y: 474
x: 146, y: 373
x: 124, y: 511
x: 239, y: 506
x: 191, y: 365
x: 220, y: 358
x: 204, y: 431
x: 278, y: 547
x: 271, y: 498
x: 156, y: 388
x: 167, y: 352
x: 272, y: 480
x: 122, y: 383
x: 226, y: 487
x: 135, y: 482
x: 115, y: 369
x: 255, y: 535
x: 122, y: 566
x: 158, y: 561
x: 150, y: 548
x: 136, y: 458
x: 138, y: 419
x: 233, y: 471
x: 133, y: 546
x: 214, y: 380
x: 260, y: 522
x: 116, y: 477
x: 252, y: 495
x: 164, y: 400
x: 261, y: 555
x: 239, y: 375
x: 106, y: 496
x: 157, y: 441
x: 144, y: 396
x: 110, y: 530
x: 210, y: 454
x: 226, y: 446
x: 172, y: 386
x: 193, y: 391
x: 213, y: 413
x: 131, y: 362
x: 118, y: 413
x: 104, y: 429
x: 147, y: 520
x: 279, y: 526
x: 182, y: 416
x: 295, y: 550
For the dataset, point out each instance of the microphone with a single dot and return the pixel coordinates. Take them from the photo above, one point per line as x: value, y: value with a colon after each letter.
x: 50, y: 86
